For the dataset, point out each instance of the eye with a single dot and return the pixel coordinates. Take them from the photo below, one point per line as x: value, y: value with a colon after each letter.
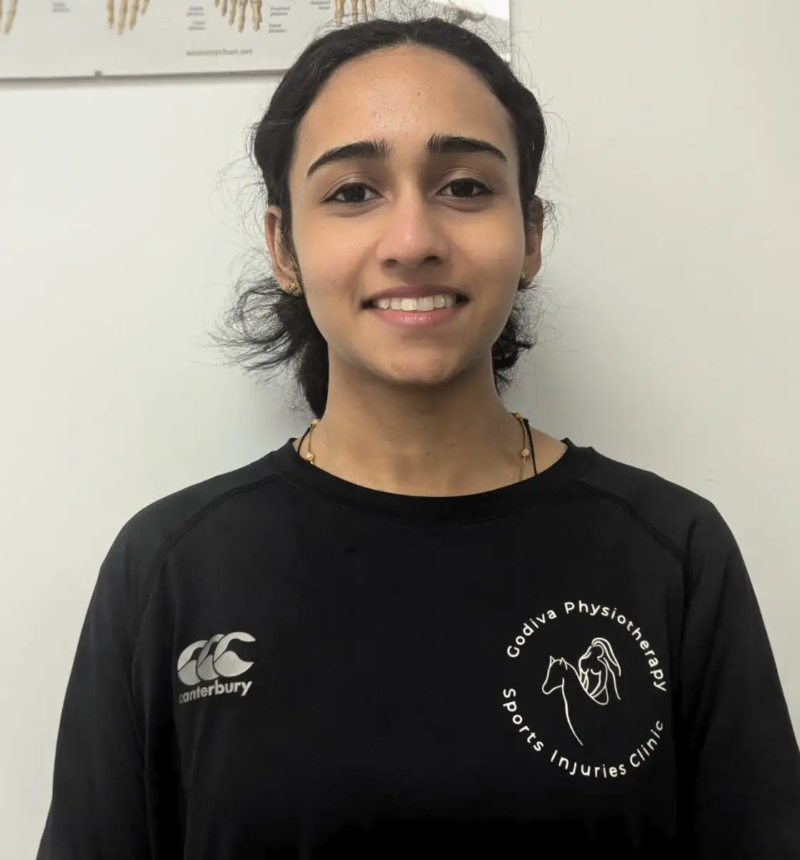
x: 353, y: 189
x: 461, y: 187
x: 465, y: 185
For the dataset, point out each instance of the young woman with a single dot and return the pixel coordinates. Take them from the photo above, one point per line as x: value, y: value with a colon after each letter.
x: 425, y: 627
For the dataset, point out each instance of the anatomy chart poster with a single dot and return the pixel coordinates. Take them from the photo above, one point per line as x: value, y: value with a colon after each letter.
x: 79, y: 38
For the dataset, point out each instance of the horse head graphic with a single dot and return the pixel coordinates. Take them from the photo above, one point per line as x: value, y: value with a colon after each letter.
x: 597, y: 677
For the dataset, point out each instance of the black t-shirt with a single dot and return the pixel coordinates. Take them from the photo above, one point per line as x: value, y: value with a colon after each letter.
x: 279, y: 663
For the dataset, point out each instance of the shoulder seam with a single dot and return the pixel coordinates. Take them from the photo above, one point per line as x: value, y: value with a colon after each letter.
x: 655, y: 533
x: 166, y: 547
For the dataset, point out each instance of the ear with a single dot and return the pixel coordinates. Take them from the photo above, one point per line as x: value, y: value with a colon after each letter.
x: 533, y: 239
x: 282, y: 263
x: 552, y: 660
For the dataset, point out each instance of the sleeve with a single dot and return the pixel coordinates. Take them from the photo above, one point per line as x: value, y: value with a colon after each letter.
x: 741, y: 773
x: 98, y: 806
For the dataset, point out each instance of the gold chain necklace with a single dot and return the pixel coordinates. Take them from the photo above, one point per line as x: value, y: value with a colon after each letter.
x: 525, y: 453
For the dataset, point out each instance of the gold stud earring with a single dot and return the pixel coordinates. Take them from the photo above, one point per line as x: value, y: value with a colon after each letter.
x: 293, y: 288
x: 524, y: 278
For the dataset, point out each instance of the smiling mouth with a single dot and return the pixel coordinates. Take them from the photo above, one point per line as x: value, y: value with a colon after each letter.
x: 427, y: 304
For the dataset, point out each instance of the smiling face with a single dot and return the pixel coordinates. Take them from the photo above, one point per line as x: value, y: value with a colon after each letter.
x: 405, y: 183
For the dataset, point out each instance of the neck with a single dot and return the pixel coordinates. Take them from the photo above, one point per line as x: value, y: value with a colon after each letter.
x: 448, y: 441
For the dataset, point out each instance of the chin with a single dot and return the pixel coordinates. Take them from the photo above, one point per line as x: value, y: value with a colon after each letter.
x: 429, y: 375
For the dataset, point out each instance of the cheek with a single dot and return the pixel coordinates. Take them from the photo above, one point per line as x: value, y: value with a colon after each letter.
x: 502, y: 258
x: 497, y: 306
x: 331, y: 278
x: 496, y: 276
x: 495, y: 252
x: 333, y: 300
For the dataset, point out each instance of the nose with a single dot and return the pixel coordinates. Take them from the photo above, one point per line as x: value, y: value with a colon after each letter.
x: 412, y: 232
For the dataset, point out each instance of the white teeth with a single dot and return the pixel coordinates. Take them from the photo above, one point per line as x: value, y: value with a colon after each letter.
x: 423, y: 305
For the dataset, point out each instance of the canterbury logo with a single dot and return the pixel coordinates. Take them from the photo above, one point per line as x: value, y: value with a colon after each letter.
x: 210, y: 660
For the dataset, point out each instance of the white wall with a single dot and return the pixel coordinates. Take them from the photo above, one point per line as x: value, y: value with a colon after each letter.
x: 670, y: 341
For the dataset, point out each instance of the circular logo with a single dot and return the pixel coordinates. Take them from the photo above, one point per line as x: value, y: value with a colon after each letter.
x: 586, y: 690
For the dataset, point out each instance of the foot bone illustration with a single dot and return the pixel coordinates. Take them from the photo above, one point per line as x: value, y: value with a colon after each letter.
x: 236, y: 12
x: 11, y: 13
x: 359, y: 10
x: 125, y: 13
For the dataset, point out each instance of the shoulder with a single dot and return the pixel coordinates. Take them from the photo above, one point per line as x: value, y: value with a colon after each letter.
x: 150, y: 535
x: 172, y: 516
x: 681, y: 519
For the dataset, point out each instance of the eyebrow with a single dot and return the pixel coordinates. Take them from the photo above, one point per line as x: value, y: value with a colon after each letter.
x: 439, y: 144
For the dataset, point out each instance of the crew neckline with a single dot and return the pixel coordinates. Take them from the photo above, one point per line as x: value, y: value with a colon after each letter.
x: 298, y: 472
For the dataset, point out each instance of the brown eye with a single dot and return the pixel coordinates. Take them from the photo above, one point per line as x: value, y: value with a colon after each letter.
x: 466, y: 185
x: 353, y: 190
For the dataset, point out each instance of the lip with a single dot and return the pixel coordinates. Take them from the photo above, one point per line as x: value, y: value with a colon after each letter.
x: 417, y: 291
x: 416, y: 320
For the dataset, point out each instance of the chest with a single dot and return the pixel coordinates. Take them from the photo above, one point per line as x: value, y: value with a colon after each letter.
x: 372, y: 682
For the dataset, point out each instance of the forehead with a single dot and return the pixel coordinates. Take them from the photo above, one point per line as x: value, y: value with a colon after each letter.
x: 404, y: 95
